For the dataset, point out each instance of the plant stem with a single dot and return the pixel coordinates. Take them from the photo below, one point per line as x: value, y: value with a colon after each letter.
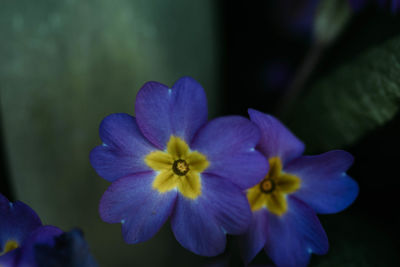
x: 301, y: 77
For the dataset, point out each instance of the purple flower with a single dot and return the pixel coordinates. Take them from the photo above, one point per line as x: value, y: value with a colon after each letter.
x: 285, y: 203
x: 170, y: 162
x: 69, y: 250
x: 17, y: 222
x: 20, y: 230
x: 25, y: 242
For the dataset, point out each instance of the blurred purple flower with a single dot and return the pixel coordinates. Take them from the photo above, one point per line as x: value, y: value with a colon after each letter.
x: 285, y: 203
x: 69, y: 250
x: 21, y: 232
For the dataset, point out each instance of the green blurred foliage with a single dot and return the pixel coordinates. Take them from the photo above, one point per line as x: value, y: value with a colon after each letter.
x: 330, y: 19
x: 64, y: 66
x: 352, y: 100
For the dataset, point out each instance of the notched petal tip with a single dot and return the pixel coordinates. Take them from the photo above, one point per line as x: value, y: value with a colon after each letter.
x: 186, y: 82
x: 152, y: 84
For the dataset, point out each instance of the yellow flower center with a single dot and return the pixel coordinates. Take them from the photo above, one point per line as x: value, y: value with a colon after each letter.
x: 178, y: 167
x: 267, y: 186
x: 10, y: 245
x: 271, y: 192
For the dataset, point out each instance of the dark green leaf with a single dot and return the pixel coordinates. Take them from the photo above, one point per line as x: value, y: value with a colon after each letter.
x: 353, y: 100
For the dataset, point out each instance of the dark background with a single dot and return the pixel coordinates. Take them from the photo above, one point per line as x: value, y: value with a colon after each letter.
x: 245, y: 54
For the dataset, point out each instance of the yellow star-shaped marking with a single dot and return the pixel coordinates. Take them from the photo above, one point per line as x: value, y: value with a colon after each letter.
x: 271, y: 192
x: 178, y: 167
x: 10, y: 245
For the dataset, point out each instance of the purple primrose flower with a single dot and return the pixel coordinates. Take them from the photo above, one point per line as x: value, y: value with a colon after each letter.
x: 20, y: 230
x: 285, y: 203
x: 169, y: 162
x: 25, y: 242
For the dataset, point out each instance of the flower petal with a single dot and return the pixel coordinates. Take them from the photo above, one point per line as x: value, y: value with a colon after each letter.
x: 189, y: 110
x: 10, y: 258
x: 254, y: 239
x: 228, y: 143
x: 190, y: 185
x: 195, y: 229
x: 227, y: 203
x: 123, y: 149
x: 42, y: 235
x: 256, y: 198
x: 17, y: 221
x: 162, y: 112
x: 288, y: 183
x: 292, y: 237
x: 197, y: 161
x: 276, y: 140
x: 159, y: 160
x: 165, y: 181
x: 133, y: 202
x: 177, y: 148
x: 324, y: 184
x: 276, y: 203
x: 70, y: 249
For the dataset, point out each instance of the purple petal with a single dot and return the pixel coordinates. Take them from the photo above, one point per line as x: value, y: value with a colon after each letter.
x: 254, y: 239
x: 227, y: 203
x: 17, y: 221
x: 141, y: 210
x: 189, y: 110
x: 10, y: 258
x: 276, y: 140
x: 162, y: 112
x: 195, y: 229
x: 292, y: 237
x: 42, y: 235
x: 228, y: 143
x: 69, y: 250
x: 123, y: 148
x: 324, y: 184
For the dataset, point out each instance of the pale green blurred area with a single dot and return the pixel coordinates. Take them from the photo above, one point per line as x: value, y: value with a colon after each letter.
x: 64, y: 66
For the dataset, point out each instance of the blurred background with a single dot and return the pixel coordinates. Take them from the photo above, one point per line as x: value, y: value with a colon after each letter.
x: 330, y: 69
